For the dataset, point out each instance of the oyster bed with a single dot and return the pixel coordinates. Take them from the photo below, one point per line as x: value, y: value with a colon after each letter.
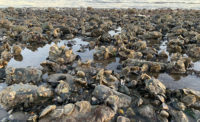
x: 98, y: 65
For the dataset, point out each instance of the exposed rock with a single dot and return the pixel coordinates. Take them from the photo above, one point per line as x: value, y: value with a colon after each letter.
x: 194, y: 52
x: 106, y: 37
x: 3, y: 63
x: 154, y: 86
x: 144, y: 68
x: 122, y: 119
x: 180, y: 67
x: 188, y: 91
x: 103, y: 92
x: 181, y: 106
x: 130, y: 112
x: 25, y: 94
x: 140, y: 45
x: 61, y: 55
x: 163, y: 54
x: 5, y: 55
x: 147, y: 111
x: 95, y: 114
x: 128, y: 53
x: 106, y: 79
x: 189, y: 99
x: 62, y: 88
x: 47, y: 110
x: 16, y: 50
x: 105, y: 52
x: 55, y: 78
x: 179, y: 116
x: 164, y: 113
x: 23, y: 75
x: 164, y: 106
x: 57, y: 113
x: 124, y: 89
x: 81, y: 74
x: 176, y: 42
x: 83, y: 106
x: 68, y: 109
x: 156, y: 66
x: 153, y: 35
x: 81, y: 81
x: 50, y: 66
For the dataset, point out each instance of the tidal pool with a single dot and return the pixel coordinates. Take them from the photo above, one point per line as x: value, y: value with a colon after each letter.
x: 34, y: 58
x: 180, y: 81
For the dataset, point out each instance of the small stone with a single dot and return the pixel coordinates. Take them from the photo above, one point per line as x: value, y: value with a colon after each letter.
x: 81, y: 74
x: 164, y: 113
x: 188, y: 100
x: 108, y: 72
x: 122, y: 119
x: 102, y: 92
x: 161, y: 98
x: 156, y: 102
x: 124, y: 89
x: 144, y: 68
x: 180, y: 116
x: 164, y: 106
x: 181, y: 106
x: 120, y: 111
x: 57, y: 113
x: 33, y: 118
x: 16, y: 50
x: 62, y: 88
x: 147, y: 111
x: 140, y: 102
x: 155, y: 86
x: 132, y: 84
x: 47, y: 110
x: 81, y: 81
x: 130, y: 112
x: 163, y: 54
x: 140, y: 45
x: 83, y: 106
x: 112, y: 99
x: 68, y: 109
x: 5, y: 55
x: 155, y: 68
x: 180, y: 66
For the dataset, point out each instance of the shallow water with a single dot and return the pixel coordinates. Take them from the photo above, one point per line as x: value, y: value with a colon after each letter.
x: 148, y: 4
x: 180, y: 81
x: 115, y: 32
x: 34, y: 58
x: 196, y: 66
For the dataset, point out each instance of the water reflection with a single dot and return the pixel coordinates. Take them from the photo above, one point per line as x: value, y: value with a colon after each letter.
x: 35, y: 54
x: 177, y: 81
x: 113, y: 65
x: 115, y: 32
x: 18, y: 57
x: 196, y: 66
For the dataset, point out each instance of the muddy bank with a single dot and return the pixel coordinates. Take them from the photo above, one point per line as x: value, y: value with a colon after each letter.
x: 99, y: 65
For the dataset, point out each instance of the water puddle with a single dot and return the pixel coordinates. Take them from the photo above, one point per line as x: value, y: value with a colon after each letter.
x: 34, y: 58
x: 163, y: 47
x: 113, y: 65
x: 2, y: 86
x: 196, y: 66
x: 115, y: 32
x: 180, y: 81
